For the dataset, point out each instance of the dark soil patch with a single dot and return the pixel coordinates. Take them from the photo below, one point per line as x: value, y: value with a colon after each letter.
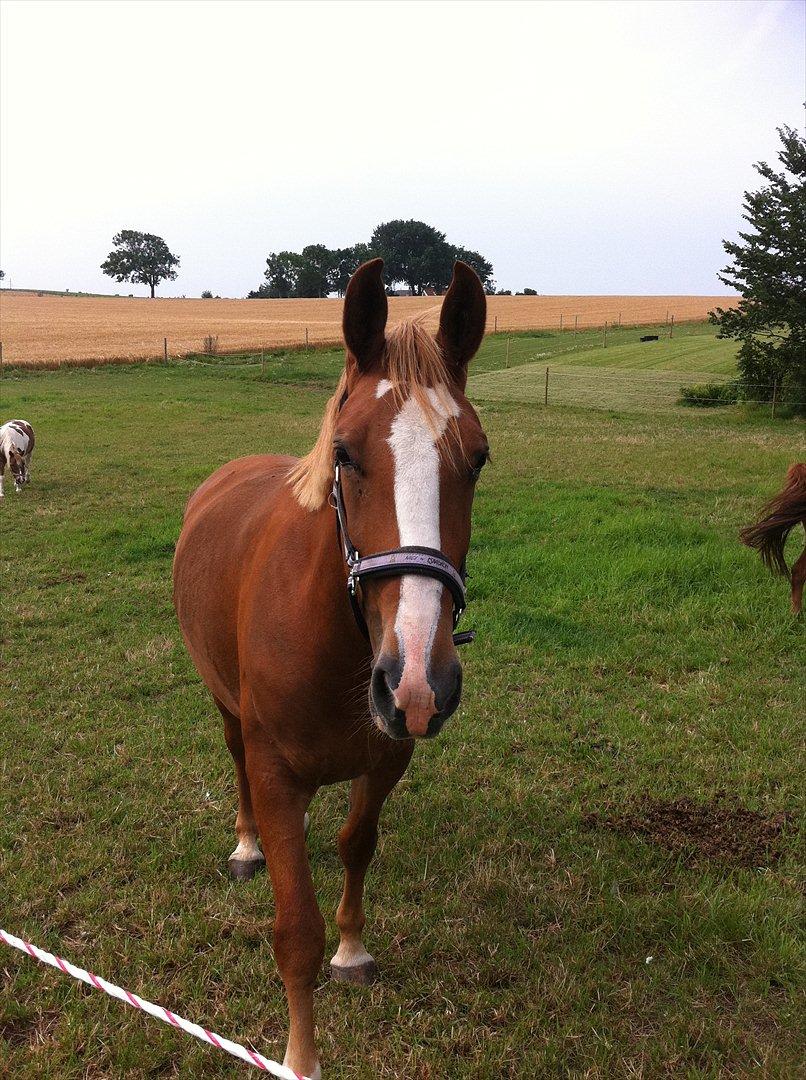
x: 719, y: 830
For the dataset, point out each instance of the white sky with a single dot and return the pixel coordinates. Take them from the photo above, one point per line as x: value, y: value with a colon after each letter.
x: 582, y: 147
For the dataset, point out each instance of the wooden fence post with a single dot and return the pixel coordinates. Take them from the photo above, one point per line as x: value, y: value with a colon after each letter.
x: 306, y: 337
x: 576, y: 320
x: 165, y: 349
x: 774, y: 397
x: 671, y: 326
x: 546, y: 395
x: 495, y: 327
x: 561, y: 322
x: 605, y: 334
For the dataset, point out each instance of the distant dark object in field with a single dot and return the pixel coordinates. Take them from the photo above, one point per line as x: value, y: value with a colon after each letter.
x: 649, y: 337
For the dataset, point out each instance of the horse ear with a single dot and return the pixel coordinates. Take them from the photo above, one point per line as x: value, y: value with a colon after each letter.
x: 365, y: 311
x: 462, y: 320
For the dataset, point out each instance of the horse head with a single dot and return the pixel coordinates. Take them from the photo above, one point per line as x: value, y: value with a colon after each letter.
x: 407, y: 448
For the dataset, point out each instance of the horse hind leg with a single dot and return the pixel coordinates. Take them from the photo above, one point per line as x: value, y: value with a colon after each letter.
x: 798, y: 581
x: 357, y: 840
x: 247, y: 858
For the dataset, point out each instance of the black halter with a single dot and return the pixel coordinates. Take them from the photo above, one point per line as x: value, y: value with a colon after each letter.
x: 425, y: 561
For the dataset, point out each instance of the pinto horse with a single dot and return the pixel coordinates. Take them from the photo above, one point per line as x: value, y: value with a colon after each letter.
x: 16, y: 448
x: 778, y: 518
x: 318, y: 683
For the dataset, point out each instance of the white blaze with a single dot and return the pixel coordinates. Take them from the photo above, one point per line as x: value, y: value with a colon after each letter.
x: 413, y: 442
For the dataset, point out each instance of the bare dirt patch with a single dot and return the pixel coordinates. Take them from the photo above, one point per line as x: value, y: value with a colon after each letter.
x: 719, y: 830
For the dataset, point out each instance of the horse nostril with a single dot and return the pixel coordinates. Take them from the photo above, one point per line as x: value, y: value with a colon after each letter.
x: 449, y: 692
x: 382, y: 690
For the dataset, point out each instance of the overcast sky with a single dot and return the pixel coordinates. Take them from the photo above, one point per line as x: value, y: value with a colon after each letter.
x: 581, y: 147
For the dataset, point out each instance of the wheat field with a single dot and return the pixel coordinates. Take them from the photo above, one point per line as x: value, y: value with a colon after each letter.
x: 51, y: 328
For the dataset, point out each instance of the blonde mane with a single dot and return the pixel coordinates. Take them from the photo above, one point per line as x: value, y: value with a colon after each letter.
x: 413, y: 363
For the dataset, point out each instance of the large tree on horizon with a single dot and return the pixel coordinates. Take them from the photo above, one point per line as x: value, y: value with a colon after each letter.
x: 419, y: 255
x: 140, y: 257
x: 768, y: 269
x: 414, y: 253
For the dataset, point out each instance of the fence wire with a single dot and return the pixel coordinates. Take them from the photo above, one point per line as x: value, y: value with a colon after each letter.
x: 541, y: 383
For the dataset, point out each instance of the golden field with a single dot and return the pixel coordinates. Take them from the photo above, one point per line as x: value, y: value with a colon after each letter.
x: 39, y: 329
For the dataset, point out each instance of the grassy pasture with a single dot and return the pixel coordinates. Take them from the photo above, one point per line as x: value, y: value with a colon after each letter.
x: 629, y: 650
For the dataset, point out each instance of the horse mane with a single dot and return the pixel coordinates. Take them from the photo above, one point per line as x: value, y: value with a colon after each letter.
x: 413, y: 363
x: 779, y: 517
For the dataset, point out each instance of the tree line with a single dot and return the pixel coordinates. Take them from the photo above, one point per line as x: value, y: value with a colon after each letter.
x: 768, y: 269
x: 416, y: 256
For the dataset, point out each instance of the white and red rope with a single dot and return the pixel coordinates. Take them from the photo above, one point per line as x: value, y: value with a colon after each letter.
x: 251, y: 1057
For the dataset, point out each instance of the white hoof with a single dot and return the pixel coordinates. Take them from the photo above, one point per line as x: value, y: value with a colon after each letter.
x: 353, y: 964
x: 315, y: 1074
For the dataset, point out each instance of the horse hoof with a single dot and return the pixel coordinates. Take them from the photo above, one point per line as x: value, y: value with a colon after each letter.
x: 358, y: 974
x: 244, y: 869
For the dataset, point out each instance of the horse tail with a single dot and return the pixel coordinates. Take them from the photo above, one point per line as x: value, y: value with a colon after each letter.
x: 778, y: 518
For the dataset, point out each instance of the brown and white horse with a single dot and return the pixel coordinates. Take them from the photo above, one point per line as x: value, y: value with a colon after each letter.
x: 16, y: 448
x: 259, y: 587
x: 778, y: 518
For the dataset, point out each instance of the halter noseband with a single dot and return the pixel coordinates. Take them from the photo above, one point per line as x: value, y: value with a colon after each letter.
x: 426, y: 561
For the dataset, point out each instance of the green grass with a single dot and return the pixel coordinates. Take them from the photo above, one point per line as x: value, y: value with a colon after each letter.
x: 693, y: 347
x: 628, y: 646
x: 625, y: 374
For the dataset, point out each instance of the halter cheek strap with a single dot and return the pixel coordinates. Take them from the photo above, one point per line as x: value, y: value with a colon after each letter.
x: 425, y: 561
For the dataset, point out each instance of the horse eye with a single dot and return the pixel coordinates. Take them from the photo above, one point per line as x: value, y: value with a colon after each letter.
x: 479, y: 463
x: 343, y: 458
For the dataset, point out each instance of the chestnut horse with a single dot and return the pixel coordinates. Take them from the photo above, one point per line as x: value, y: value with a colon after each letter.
x: 317, y: 686
x: 778, y: 518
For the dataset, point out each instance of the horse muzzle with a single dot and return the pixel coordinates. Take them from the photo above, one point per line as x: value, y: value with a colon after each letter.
x: 413, y: 708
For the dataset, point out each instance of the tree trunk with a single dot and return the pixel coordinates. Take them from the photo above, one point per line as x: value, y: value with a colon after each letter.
x: 152, y: 290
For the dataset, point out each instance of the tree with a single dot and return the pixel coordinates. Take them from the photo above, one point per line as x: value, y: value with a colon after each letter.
x: 418, y: 255
x: 769, y: 270
x: 346, y: 262
x: 315, y: 271
x: 282, y: 270
x: 140, y: 257
x: 413, y: 253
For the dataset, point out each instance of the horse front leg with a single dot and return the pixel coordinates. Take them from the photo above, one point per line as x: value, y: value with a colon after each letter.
x: 357, y: 841
x: 279, y: 802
